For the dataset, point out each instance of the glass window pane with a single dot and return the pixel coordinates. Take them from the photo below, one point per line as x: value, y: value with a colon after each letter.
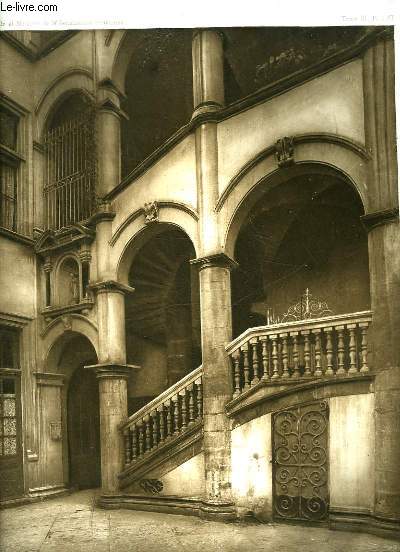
x: 10, y: 426
x: 10, y: 446
x: 9, y: 407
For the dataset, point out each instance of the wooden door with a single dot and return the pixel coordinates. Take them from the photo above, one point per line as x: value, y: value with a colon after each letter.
x: 84, y: 429
x: 11, y: 466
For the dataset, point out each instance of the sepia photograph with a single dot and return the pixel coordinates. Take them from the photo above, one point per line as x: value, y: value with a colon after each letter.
x: 199, y: 287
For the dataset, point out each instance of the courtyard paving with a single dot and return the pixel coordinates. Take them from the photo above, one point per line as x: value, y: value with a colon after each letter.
x: 74, y: 523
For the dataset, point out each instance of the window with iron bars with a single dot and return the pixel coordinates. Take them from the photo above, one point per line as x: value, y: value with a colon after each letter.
x: 69, y: 191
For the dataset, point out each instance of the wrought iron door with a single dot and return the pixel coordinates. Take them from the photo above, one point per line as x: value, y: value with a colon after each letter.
x: 300, y: 462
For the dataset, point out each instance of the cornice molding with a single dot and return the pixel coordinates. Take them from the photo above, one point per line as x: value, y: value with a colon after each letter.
x: 379, y: 218
x: 14, y: 320
x: 14, y: 236
x: 41, y: 52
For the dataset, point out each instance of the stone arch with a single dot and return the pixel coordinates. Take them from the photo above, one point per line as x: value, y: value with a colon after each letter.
x: 74, y: 81
x: 262, y: 175
x: 136, y: 233
x: 60, y: 332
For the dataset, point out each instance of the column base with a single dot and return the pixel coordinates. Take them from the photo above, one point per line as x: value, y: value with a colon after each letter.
x: 218, y: 511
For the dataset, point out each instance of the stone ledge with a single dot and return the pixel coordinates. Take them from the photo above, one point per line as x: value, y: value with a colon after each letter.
x: 364, y: 523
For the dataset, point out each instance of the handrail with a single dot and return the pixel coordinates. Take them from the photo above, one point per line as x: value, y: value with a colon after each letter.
x: 309, y: 324
x: 301, y: 350
x: 164, y: 396
x: 172, y: 414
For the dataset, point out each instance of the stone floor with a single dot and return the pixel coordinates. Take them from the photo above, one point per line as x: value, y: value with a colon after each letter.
x: 73, y: 523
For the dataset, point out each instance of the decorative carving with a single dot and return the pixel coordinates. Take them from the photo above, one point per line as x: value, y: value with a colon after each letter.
x: 55, y: 431
x: 284, y: 151
x: 300, y: 462
x: 150, y: 212
x: 153, y: 486
x: 67, y: 322
x: 307, y: 308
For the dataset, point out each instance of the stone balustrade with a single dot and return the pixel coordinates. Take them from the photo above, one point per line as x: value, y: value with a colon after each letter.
x: 300, y: 350
x: 166, y: 417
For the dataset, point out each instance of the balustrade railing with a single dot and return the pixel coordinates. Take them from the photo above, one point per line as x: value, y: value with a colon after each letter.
x: 300, y: 350
x: 167, y: 416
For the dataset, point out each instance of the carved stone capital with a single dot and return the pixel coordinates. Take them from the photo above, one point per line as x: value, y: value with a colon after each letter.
x: 110, y: 370
x: 378, y: 218
x: 220, y: 260
x: 104, y: 212
x: 110, y: 286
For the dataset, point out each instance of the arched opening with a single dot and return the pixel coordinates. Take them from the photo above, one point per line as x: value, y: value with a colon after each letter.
x: 80, y: 409
x: 70, y: 169
x: 162, y: 315
x: 304, y: 234
x: 158, y: 87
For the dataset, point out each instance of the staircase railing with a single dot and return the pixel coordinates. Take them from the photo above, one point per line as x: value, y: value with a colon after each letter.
x: 300, y: 350
x: 166, y: 417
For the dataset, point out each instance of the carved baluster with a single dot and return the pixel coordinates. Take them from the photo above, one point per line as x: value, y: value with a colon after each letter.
x: 127, y: 447
x: 352, y: 348
x: 134, y: 449
x: 285, y: 356
x: 364, y: 345
x: 147, y: 432
x: 296, y: 369
x: 155, y: 427
x: 254, y: 345
x: 246, y: 368
x: 183, y: 394
x: 307, y: 353
x: 340, y: 331
x: 236, y: 371
x: 317, y: 333
x: 160, y: 410
x: 141, y: 438
x: 191, y: 403
x: 329, y: 351
x: 169, y: 418
x: 265, y: 359
x: 275, y: 361
x: 199, y: 386
x: 175, y: 412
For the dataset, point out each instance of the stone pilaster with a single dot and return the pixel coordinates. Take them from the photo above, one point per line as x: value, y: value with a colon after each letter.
x: 216, y: 332
x: 383, y: 228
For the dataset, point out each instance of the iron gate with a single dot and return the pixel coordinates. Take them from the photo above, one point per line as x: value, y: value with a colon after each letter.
x: 300, y: 462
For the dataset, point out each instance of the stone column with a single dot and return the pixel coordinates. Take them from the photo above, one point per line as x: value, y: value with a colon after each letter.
x: 112, y: 373
x: 108, y: 138
x: 214, y: 275
x: 382, y: 223
x: 208, y: 70
x: 216, y: 332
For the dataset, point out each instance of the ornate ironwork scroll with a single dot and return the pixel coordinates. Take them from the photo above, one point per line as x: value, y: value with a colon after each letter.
x: 307, y: 308
x: 300, y: 462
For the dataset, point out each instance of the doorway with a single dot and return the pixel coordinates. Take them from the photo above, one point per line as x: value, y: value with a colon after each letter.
x: 300, y: 462
x: 84, y: 430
